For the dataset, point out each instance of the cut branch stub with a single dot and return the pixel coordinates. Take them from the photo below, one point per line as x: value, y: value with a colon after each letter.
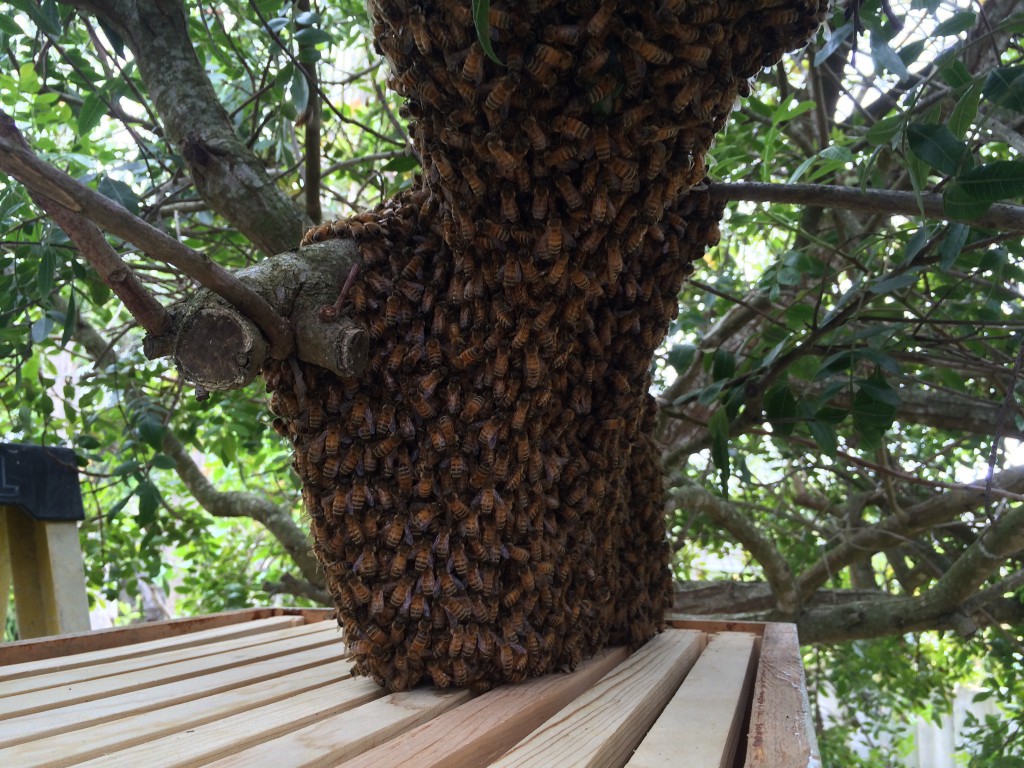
x: 217, y: 348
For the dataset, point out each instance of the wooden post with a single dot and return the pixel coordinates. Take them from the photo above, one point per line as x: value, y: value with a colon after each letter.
x: 40, y: 555
x: 45, y: 562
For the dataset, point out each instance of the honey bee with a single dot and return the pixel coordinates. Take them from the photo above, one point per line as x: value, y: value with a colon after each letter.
x: 532, y: 365
x: 537, y: 138
x: 554, y: 241
x: 457, y: 466
x: 419, y: 642
x: 539, y: 209
x: 565, y: 34
x: 475, y: 183
x: 473, y: 407
x: 401, y: 592
x: 569, y: 192
x: 460, y: 673
x: 509, y: 209
x: 418, y: 27
x: 558, y: 269
x: 360, y: 592
x: 442, y: 544
x: 418, y: 606
x: 598, y: 23
x: 500, y: 93
x: 560, y: 156
x: 472, y: 68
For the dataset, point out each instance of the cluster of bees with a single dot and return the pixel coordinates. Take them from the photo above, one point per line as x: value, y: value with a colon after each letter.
x: 486, y: 500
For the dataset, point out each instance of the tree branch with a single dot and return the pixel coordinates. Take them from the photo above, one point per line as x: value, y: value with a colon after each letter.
x: 773, y: 564
x: 276, y: 518
x: 226, y: 173
x: 18, y: 160
x: 1008, y: 218
x: 896, y: 528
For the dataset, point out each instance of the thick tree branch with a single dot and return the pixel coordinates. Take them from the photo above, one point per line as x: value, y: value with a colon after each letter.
x: 1008, y: 218
x: 773, y: 564
x: 289, y: 585
x: 219, y: 348
x: 894, y: 529
x: 227, y: 174
x: 276, y: 518
x: 17, y: 160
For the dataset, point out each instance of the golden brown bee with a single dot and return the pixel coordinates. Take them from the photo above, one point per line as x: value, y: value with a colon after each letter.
x: 509, y: 209
x: 696, y: 55
x: 500, y: 93
x: 505, y: 654
x: 418, y: 27
x: 476, y: 184
x: 538, y: 139
x: 360, y: 593
x: 569, y: 192
x: 539, y: 208
x: 472, y: 67
x: 401, y: 592
x: 419, y: 642
x: 560, y: 156
x: 532, y: 366
x: 443, y: 167
x: 554, y: 240
x: 602, y: 89
x: 460, y: 672
x: 418, y: 606
x: 598, y: 23
x: 558, y: 269
x: 468, y: 356
x: 473, y: 407
x: 427, y: 384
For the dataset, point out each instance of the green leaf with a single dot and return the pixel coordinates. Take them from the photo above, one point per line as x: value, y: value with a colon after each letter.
x: 119, y: 192
x: 93, y: 108
x: 955, y: 73
x: 780, y: 409
x: 307, y: 18
x: 938, y: 146
x: 1005, y: 86
x: 163, y: 461
x: 825, y: 436
x: 973, y: 191
x: 312, y: 36
x: 791, y: 108
x: 723, y: 365
x: 70, y: 320
x: 885, y: 58
x: 966, y: 109
x: 832, y: 44
x: 402, y: 164
x: 894, y: 283
x: 952, y: 244
x: 299, y: 90
x: 149, y: 502
x: 961, y: 21
x: 308, y: 55
x: 681, y: 356
x: 276, y: 25
x: 9, y: 26
x: 41, y: 329
x: 45, y: 271
x: 482, y: 22
x: 718, y: 428
x: 885, y: 131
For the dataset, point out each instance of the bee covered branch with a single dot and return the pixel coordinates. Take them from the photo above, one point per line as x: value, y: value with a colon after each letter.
x: 218, y: 348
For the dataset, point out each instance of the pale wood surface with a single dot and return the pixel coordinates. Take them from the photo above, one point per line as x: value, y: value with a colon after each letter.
x: 74, y: 746
x: 109, y: 708
x: 37, y: 649
x: 781, y: 734
x: 6, y: 577
x: 603, y: 726
x: 332, y: 740
x: 119, y: 681
x: 199, y: 745
x: 490, y: 724
x: 65, y: 574
x: 700, y: 726
x: 45, y: 666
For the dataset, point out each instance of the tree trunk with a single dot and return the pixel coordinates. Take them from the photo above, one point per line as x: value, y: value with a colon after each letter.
x: 485, y: 500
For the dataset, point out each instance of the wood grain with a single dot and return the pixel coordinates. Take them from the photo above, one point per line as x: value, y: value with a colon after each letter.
x: 491, y: 724
x: 73, y: 746
x: 781, y: 733
x: 603, y: 726
x: 700, y: 727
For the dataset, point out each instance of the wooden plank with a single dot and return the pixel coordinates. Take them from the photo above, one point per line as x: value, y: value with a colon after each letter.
x: 684, y: 621
x: 63, y: 645
x: 491, y: 724
x: 605, y: 724
x: 700, y: 726
x: 64, y: 573
x: 328, y: 742
x: 246, y: 629
x: 119, y: 668
x: 258, y: 726
x: 781, y: 733
x: 72, y: 747
x: 37, y: 616
x: 6, y: 576
x: 105, y: 709
x: 75, y: 692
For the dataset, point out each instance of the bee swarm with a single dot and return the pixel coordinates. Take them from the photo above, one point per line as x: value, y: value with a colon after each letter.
x: 486, y: 500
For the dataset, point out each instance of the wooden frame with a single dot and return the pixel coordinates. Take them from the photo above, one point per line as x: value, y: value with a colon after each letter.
x: 272, y: 687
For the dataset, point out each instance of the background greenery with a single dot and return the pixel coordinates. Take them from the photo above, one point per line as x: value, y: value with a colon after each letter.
x: 840, y: 395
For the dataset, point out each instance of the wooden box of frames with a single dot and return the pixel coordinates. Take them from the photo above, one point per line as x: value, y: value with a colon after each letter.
x: 273, y: 687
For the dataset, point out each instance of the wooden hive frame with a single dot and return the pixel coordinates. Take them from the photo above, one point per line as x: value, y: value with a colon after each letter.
x: 273, y: 687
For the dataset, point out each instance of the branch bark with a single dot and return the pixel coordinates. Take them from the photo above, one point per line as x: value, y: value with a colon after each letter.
x: 1008, y: 218
x: 218, y: 348
x: 227, y: 174
x: 274, y: 517
x: 18, y: 160
x: 773, y: 564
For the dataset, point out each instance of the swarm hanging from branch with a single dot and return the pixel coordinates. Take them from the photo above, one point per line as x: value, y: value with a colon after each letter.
x: 485, y: 499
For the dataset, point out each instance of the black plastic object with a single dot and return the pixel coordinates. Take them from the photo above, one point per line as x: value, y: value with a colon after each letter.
x: 42, y: 480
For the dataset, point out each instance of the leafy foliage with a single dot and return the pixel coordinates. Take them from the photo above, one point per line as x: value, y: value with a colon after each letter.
x: 831, y: 371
